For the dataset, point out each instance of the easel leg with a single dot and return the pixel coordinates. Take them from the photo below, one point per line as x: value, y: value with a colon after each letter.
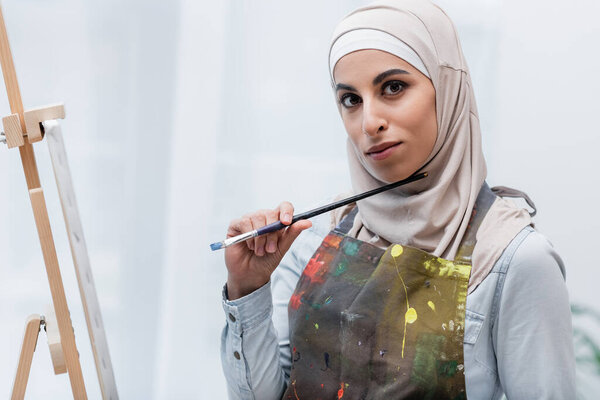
x: 32, y: 329
x: 59, y: 300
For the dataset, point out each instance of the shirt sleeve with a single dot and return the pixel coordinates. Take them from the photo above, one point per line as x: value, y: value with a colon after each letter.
x: 249, y: 352
x: 255, y: 349
x: 534, y: 339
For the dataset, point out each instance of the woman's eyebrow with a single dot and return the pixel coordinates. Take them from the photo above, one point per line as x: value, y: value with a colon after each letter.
x: 387, y: 73
x: 376, y: 81
x: 341, y: 86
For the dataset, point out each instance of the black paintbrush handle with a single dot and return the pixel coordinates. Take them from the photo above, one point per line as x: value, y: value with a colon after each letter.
x: 275, y: 226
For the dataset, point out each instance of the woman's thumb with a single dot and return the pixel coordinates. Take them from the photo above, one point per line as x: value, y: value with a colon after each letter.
x: 291, y: 233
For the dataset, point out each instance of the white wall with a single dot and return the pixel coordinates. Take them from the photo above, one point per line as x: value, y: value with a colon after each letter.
x: 547, y: 138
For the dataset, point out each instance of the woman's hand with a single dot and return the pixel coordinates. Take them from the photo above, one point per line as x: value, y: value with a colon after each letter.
x: 251, y: 263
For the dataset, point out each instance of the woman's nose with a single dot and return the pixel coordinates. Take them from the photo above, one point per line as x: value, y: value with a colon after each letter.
x: 373, y: 122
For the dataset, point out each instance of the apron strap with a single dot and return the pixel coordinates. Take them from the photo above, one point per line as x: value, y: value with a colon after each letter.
x: 347, y: 222
x: 504, y: 191
x: 485, y: 199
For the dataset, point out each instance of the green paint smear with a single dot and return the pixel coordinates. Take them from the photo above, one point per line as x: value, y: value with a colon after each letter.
x: 351, y: 248
x: 356, y: 281
x: 424, y: 372
x: 317, y: 306
x: 461, y: 396
x: 341, y: 268
x: 447, y: 369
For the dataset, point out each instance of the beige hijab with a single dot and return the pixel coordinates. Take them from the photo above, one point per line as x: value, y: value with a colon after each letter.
x: 433, y: 214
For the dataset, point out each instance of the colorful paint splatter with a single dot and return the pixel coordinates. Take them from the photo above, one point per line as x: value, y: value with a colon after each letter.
x: 353, y: 303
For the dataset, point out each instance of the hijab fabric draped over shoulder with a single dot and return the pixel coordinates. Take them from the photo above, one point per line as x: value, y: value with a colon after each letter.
x: 431, y: 214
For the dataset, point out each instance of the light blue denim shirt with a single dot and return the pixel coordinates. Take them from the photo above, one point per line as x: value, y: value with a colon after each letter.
x: 518, y: 333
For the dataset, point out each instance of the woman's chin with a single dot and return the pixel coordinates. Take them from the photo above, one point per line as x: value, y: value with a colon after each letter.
x: 391, y: 170
x: 387, y: 177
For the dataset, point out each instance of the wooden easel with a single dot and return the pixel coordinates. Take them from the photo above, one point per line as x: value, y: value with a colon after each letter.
x: 21, y: 129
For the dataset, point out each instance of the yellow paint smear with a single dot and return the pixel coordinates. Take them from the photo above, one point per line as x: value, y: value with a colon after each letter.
x: 431, y: 305
x: 411, y: 315
x: 397, y: 250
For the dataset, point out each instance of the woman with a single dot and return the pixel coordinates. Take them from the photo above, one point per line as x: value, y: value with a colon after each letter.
x: 378, y: 307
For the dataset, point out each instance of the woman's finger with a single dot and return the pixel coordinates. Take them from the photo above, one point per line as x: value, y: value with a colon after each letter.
x: 286, y: 212
x: 258, y: 221
x: 271, y: 238
x: 239, y: 226
x: 291, y: 233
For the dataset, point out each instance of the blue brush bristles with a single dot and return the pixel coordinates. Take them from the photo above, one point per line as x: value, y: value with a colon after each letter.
x: 216, y: 246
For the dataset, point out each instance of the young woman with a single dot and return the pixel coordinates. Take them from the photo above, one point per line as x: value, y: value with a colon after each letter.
x: 438, y: 289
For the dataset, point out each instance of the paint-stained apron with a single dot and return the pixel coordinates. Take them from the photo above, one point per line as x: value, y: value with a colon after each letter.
x: 372, y: 323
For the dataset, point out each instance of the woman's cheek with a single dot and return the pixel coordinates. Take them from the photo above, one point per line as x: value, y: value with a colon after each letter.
x: 354, y: 131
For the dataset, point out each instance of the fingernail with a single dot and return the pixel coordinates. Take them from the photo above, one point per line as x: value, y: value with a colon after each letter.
x: 260, y: 251
x: 287, y: 217
x: 270, y: 247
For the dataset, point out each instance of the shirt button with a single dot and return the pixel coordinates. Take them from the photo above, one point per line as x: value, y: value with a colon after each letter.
x: 231, y: 317
x: 236, y: 355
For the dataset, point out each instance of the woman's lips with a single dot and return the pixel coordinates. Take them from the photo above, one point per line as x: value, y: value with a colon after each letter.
x: 384, y: 153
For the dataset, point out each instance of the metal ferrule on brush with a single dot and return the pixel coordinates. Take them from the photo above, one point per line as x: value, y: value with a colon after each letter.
x: 235, y: 239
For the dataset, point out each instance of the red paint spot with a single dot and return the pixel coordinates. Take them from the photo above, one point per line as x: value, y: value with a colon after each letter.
x: 341, y: 391
x: 321, y: 386
x: 296, y: 300
x: 314, y: 270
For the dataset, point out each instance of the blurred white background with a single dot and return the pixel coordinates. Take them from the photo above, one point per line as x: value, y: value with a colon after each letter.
x: 183, y: 114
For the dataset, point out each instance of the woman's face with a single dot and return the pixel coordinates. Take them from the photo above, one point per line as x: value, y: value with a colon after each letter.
x: 388, y: 109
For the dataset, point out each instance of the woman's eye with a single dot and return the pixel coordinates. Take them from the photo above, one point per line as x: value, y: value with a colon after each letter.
x: 350, y: 100
x: 393, y: 87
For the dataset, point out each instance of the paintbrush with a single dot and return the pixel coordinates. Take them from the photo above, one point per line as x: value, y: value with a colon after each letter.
x: 275, y: 226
